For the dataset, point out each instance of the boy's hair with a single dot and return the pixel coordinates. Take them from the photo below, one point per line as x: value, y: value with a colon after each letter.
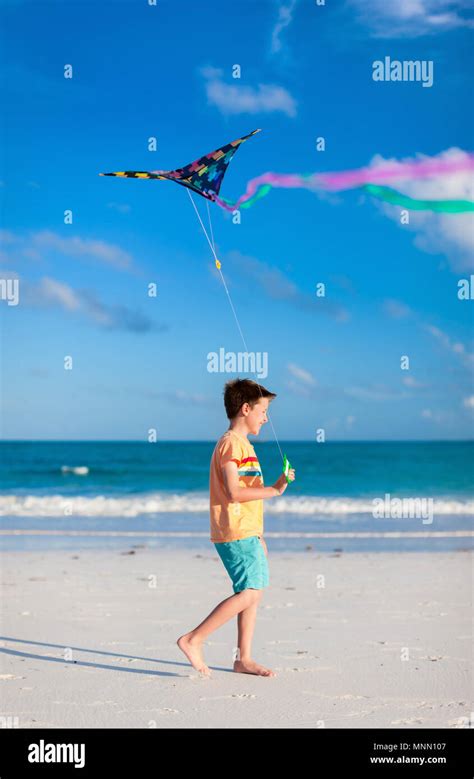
x: 240, y: 391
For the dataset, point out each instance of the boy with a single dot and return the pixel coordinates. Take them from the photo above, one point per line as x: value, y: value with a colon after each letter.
x: 236, y: 523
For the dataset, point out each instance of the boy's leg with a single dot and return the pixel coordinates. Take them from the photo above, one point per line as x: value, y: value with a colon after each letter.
x: 191, y: 643
x: 245, y: 628
x: 246, y: 625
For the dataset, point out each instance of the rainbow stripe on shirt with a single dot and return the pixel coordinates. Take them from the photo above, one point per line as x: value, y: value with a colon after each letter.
x: 249, y: 466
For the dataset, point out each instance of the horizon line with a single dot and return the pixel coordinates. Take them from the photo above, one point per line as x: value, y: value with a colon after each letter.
x: 213, y: 440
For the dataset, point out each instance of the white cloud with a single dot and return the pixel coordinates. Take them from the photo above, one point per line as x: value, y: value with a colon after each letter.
x: 236, y: 98
x: 439, y: 417
x: 455, y: 347
x: 33, y: 246
x: 303, y: 383
x: 51, y: 293
x: 81, y: 247
x: 451, y: 234
x: 285, y: 17
x: 410, y: 381
x: 469, y: 402
x: 301, y: 374
x: 411, y: 18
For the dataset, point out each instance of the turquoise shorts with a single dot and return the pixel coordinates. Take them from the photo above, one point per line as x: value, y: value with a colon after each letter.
x: 246, y: 563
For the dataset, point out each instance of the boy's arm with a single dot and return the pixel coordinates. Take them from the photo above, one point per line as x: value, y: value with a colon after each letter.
x: 238, y: 494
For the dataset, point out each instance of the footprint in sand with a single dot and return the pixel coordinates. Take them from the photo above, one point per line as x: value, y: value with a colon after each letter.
x: 198, y: 676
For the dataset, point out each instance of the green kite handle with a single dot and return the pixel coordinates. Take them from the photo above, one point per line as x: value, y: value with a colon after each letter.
x: 286, y: 467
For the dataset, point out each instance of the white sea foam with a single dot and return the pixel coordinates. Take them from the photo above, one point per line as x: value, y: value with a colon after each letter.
x: 157, y: 503
x: 79, y: 470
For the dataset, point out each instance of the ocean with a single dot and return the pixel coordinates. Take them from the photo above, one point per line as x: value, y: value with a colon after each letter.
x: 349, y: 496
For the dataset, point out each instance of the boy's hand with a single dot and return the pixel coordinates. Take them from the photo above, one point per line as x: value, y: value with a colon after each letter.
x: 281, y: 483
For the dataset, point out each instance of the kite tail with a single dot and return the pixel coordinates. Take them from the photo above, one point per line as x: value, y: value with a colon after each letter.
x: 363, y: 178
x: 382, y: 193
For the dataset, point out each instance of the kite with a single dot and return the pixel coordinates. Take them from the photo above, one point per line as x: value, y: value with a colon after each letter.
x: 205, y: 175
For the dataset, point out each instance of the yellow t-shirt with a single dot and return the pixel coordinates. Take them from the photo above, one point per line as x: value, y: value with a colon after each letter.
x: 232, y: 521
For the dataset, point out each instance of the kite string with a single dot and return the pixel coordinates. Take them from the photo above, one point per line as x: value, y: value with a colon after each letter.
x: 212, y: 246
x: 210, y: 224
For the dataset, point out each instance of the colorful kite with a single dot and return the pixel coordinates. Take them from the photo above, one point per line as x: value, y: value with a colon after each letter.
x: 205, y: 176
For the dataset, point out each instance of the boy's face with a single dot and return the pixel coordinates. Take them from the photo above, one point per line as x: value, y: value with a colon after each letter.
x: 256, y: 416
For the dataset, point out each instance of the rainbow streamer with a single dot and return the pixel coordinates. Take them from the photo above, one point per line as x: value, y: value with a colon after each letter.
x: 364, y: 178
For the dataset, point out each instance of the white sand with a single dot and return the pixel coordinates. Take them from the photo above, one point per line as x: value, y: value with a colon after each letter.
x: 337, y: 649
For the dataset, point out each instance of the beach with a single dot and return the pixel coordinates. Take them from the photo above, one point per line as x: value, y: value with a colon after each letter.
x: 358, y: 640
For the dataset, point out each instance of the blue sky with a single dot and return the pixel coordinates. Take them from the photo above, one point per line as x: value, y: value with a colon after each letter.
x: 165, y: 71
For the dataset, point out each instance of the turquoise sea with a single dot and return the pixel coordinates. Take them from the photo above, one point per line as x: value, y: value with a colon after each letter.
x: 50, y: 491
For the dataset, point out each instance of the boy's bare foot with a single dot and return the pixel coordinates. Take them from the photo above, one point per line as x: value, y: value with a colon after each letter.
x: 251, y: 667
x: 192, y: 650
